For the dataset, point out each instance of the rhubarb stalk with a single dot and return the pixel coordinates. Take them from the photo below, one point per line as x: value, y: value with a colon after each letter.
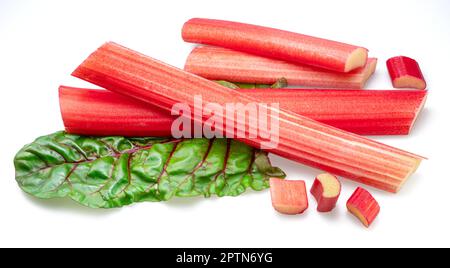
x: 301, y: 139
x: 277, y: 44
x: 365, y: 112
x: 405, y: 73
x: 218, y: 63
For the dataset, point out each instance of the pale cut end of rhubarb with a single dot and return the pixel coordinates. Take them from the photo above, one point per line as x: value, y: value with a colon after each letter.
x: 357, y: 58
x: 408, y: 81
x: 326, y: 190
x: 358, y: 214
x: 416, y: 115
x: 288, y: 196
x: 330, y: 184
x: 416, y: 165
x: 370, y: 69
x: 363, y: 206
x: 414, y: 169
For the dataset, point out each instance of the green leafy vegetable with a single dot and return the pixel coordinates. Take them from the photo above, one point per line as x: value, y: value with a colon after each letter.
x: 280, y: 83
x: 108, y: 172
x: 227, y: 84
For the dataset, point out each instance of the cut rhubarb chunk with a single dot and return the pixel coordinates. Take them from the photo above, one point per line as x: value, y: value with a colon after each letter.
x: 366, y: 112
x: 326, y: 190
x: 274, y: 43
x: 301, y: 139
x: 288, y: 196
x: 218, y: 63
x: 363, y: 206
x: 405, y: 73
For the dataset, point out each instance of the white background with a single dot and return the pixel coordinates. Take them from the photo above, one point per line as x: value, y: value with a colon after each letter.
x: 41, y: 42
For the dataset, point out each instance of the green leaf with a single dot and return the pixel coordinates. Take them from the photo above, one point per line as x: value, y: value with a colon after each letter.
x: 227, y: 84
x: 108, y: 172
x: 280, y: 83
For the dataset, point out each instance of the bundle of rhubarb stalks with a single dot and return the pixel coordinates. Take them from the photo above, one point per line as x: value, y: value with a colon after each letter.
x: 118, y: 148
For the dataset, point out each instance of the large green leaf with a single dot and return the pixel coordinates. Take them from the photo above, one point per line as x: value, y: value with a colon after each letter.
x: 107, y: 172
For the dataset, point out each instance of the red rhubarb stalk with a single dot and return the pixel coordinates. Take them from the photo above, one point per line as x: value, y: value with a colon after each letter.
x: 218, y: 63
x: 277, y: 44
x: 405, y: 73
x: 288, y: 196
x: 365, y: 112
x: 105, y: 113
x: 301, y: 139
x: 326, y: 190
x: 363, y: 206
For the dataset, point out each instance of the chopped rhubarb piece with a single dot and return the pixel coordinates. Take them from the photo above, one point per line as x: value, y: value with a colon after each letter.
x: 326, y: 190
x: 366, y: 112
x: 301, y: 139
x: 288, y: 196
x: 277, y: 44
x: 363, y: 206
x: 218, y: 63
x: 405, y: 73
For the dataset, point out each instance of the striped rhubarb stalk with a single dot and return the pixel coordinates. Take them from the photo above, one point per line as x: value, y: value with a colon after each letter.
x: 301, y: 139
x: 274, y: 43
x: 218, y: 63
x: 365, y: 112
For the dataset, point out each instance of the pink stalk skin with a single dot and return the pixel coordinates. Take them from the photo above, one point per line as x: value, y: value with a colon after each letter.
x: 405, y: 73
x: 102, y: 113
x: 288, y: 196
x: 218, y: 63
x: 301, y: 139
x: 365, y: 112
x: 324, y: 203
x: 363, y: 206
x: 272, y: 43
